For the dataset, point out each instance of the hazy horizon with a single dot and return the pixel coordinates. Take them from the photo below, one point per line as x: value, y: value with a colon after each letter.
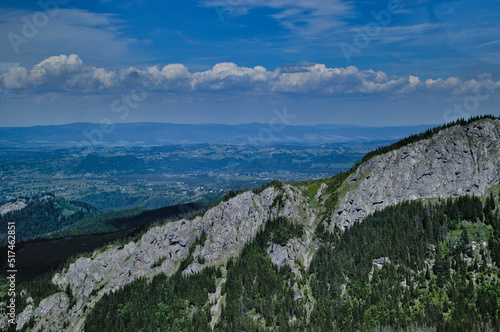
x: 226, y: 124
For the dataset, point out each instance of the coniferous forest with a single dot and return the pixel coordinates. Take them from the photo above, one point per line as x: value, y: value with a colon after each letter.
x: 420, y: 264
x: 45, y: 214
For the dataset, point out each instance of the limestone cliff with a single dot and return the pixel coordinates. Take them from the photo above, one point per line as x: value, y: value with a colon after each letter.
x: 460, y: 160
x: 228, y: 226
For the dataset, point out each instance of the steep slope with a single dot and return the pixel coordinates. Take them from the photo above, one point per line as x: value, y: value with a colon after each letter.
x: 460, y: 160
x: 227, y: 228
x: 41, y: 214
x: 51, y: 250
x: 407, y: 263
x: 414, y: 266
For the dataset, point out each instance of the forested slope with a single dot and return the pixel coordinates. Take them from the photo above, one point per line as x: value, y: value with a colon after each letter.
x: 416, y: 264
x: 42, y: 214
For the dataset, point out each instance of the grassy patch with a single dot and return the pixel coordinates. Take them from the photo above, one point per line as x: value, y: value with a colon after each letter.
x: 312, y: 189
x: 495, y: 190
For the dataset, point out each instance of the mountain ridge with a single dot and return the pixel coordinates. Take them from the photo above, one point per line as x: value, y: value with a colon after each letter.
x: 177, y: 246
x: 156, y: 134
x: 472, y: 148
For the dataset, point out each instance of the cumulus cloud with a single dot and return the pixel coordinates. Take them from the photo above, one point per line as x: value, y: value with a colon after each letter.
x: 69, y: 73
x: 59, y: 72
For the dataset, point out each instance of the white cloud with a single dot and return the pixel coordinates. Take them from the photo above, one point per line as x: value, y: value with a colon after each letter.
x: 15, y: 78
x: 59, y: 72
x: 489, y: 43
x: 69, y: 73
x: 229, y: 75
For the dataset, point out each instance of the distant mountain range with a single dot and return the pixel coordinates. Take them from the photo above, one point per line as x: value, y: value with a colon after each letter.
x: 154, y: 134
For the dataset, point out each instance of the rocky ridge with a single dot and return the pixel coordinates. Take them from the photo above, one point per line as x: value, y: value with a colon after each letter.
x: 228, y: 226
x: 21, y: 203
x: 460, y: 160
x: 16, y: 205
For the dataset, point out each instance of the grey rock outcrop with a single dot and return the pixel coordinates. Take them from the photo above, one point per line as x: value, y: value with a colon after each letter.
x: 25, y: 316
x: 4, y: 320
x: 52, y: 312
x: 16, y: 205
x: 294, y: 251
x: 232, y: 224
x: 320, y: 192
x: 460, y: 160
x: 228, y: 226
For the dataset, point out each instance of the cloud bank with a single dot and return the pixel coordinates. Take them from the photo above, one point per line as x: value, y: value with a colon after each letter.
x: 69, y: 73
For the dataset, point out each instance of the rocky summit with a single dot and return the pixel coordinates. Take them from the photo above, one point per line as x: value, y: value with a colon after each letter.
x: 460, y: 160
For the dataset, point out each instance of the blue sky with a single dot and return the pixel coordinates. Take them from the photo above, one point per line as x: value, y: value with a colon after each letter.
x: 234, y: 61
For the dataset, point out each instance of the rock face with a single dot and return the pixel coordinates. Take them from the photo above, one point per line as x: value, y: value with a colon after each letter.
x: 456, y: 161
x: 16, y: 205
x: 227, y: 226
x: 21, y: 203
x: 320, y: 192
x: 294, y: 251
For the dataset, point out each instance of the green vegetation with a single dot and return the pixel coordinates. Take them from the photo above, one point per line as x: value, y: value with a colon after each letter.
x: 459, y: 293
x: 158, y: 262
x: 414, y: 265
x: 257, y: 294
x: 101, y: 223
x: 200, y: 241
x: 41, y: 288
x: 164, y: 304
x: 312, y: 189
x: 280, y: 230
x: 44, y: 214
